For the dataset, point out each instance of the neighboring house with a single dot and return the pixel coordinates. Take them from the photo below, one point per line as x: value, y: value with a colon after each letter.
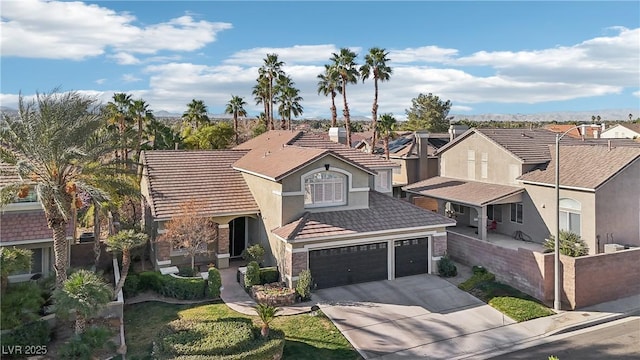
x: 480, y: 183
x: 584, y: 131
x: 623, y: 130
x: 23, y: 224
x: 312, y: 203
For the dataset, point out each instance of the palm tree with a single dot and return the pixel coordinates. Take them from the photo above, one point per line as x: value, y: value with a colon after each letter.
x: 55, y: 145
x: 142, y: 116
x: 196, y: 114
x: 329, y: 83
x: 123, y: 242
x: 271, y: 69
x: 376, y: 66
x: 266, y: 313
x: 386, y: 126
x: 345, y: 65
x: 289, y: 99
x: 119, y: 118
x: 84, y: 292
x: 261, y: 96
x: 235, y: 106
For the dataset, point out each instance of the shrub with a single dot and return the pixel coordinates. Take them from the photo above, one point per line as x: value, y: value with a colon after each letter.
x: 478, y: 270
x: 151, y: 280
x: 184, y: 289
x: 477, y: 279
x: 131, y: 285
x: 269, y: 275
x: 36, y: 333
x: 303, y: 287
x: 214, y: 283
x: 21, y: 303
x: 186, y: 271
x: 252, y: 276
x: 85, y: 345
x: 571, y: 244
x: 254, y: 253
x: 446, y: 267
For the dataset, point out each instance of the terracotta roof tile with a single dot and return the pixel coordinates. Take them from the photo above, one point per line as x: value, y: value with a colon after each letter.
x: 585, y: 166
x: 469, y: 192
x: 278, y: 163
x: 176, y: 176
x: 384, y: 213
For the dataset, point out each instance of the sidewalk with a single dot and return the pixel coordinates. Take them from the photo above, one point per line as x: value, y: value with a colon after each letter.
x: 237, y: 299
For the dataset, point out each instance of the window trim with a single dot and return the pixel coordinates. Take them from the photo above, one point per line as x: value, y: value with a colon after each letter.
x: 389, y: 182
x: 574, y: 208
x: 511, y: 213
x: 491, y: 215
x: 345, y: 188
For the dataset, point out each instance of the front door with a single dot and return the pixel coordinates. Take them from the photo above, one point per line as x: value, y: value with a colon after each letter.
x: 237, y: 236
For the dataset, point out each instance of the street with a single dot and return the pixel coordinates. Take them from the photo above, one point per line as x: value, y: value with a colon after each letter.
x: 620, y: 341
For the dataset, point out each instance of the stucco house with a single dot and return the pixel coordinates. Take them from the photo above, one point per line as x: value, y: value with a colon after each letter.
x: 627, y: 130
x: 312, y: 203
x: 502, y: 180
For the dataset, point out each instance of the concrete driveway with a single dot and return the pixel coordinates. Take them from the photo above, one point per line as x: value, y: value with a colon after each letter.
x: 401, y: 318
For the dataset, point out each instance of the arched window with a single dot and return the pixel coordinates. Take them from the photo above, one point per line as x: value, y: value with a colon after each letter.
x: 570, y: 214
x: 325, y: 188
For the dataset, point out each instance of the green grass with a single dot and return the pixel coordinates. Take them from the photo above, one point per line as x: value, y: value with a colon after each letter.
x: 307, y: 337
x: 506, y: 299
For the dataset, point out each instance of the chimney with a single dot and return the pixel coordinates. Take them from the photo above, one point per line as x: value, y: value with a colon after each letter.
x: 583, y: 131
x: 422, y: 142
x: 609, y: 144
x: 596, y: 133
x: 338, y: 134
x: 456, y: 130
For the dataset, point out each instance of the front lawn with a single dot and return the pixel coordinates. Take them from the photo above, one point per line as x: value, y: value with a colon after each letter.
x: 306, y: 336
x: 511, y: 302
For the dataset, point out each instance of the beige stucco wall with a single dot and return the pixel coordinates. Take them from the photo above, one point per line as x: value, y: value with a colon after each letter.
x: 618, y: 208
x: 498, y: 161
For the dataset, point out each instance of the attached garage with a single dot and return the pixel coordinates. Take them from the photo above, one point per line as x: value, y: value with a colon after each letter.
x: 411, y: 256
x: 348, y: 265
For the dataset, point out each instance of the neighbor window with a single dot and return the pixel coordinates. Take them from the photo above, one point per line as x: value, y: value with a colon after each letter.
x: 457, y: 208
x: 570, y: 214
x: 325, y: 188
x: 516, y: 213
x: 382, y: 181
x: 494, y: 212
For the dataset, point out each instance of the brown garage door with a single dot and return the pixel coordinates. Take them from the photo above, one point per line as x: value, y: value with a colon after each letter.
x: 411, y: 256
x: 348, y: 265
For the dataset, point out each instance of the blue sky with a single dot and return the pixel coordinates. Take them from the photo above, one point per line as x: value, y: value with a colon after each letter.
x: 486, y: 57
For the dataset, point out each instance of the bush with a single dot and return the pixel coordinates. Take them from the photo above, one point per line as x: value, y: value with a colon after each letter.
x: 131, y: 285
x: 477, y: 279
x: 20, y: 304
x: 36, y: 333
x: 303, y: 287
x: 254, y: 253
x: 214, y: 283
x: 186, y: 271
x: 269, y: 275
x: 184, y: 289
x: 446, y: 267
x: 477, y: 270
x: 85, y: 345
x: 252, y: 276
x: 571, y: 244
x: 151, y: 280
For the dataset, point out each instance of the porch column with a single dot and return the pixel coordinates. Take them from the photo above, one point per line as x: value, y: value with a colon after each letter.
x: 222, y: 255
x: 482, y: 223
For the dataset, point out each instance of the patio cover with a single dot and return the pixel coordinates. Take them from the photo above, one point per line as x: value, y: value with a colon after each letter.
x: 473, y: 193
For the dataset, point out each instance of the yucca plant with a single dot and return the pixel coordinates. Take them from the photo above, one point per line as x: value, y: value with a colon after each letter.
x: 266, y: 313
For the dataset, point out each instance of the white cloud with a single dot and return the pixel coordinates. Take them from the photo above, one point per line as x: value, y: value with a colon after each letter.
x: 130, y: 78
x: 39, y: 29
x: 636, y: 93
x: 100, y: 81
x: 422, y: 54
x: 461, y: 108
x: 298, y: 54
x: 125, y: 58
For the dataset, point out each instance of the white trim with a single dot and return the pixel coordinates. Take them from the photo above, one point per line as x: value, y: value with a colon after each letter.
x: 362, y: 189
x: 161, y: 231
x: 429, y: 255
x: 294, y: 278
x: 163, y: 262
x: 299, y: 250
x: 360, y: 241
x: 561, y: 186
x: 319, y: 209
x: 223, y: 226
x: 223, y: 256
x: 287, y: 193
x: 254, y: 173
x: 24, y: 206
x: 27, y: 242
x: 436, y: 258
x: 384, y: 233
x: 237, y: 214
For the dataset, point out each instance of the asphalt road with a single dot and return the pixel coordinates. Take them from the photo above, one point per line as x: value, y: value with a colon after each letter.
x: 620, y: 341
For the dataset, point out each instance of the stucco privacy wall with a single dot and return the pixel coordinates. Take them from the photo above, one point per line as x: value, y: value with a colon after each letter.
x: 525, y: 270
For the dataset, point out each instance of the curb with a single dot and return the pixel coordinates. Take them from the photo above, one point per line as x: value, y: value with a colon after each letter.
x: 594, y: 322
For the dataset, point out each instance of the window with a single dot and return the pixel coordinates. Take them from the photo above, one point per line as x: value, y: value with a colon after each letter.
x: 382, y: 181
x: 31, y: 197
x: 457, y: 208
x: 494, y: 212
x: 484, y: 165
x: 325, y: 188
x: 516, y: 213
x: 471, y: 164
x: 570, y: 214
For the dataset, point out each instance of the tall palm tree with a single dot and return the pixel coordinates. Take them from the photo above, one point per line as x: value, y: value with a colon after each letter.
x: 289, y: 99
x: 386, y: 127
x: 86, y: 293
x: 271, y: 69
x: 123, y: 242
x: 329, y: 83
x: 261, y: 96
x: 235, y: 106
x: 142, y: 116
x: 118, y: 112
x: 345, y: 65
x: 196, y: 114
x: 54, y: 143
x: 375, y: 65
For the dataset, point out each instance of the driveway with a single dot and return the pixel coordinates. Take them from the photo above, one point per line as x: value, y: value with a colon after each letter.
x: 397, y: 318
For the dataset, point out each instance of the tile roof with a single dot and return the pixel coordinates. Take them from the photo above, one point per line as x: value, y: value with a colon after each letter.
x: 576, y: 132
x: 175, y: 176
x: 585, y: 166
x: 384, y: 213
x: 8, y: 174
x: 464, y: 191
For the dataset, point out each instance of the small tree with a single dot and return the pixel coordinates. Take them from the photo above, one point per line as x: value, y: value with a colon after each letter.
x: 123, y: 242
x: 266, y: 313
x: 428, y: 112
x: 84, y: 292
x: 190, y: 231
x: 254, y: 253
x: 303, y: 287
x: 11, y: 260
x: 571, y: 244
x: 252, y: 276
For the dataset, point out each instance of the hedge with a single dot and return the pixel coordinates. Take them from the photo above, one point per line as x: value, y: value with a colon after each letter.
x: 252, y: 276
x: 269, y: 275
x: 167, y: 285
x: 214, y: 283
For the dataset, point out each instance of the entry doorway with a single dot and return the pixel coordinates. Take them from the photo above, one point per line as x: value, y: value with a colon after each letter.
x: 237, y: 236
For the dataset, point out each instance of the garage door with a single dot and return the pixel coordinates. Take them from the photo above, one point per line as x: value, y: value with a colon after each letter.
x: 411, y: 256
x: 348, y: 265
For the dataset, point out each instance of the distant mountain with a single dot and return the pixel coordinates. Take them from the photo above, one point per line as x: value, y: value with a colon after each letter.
x: 558, y: 116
